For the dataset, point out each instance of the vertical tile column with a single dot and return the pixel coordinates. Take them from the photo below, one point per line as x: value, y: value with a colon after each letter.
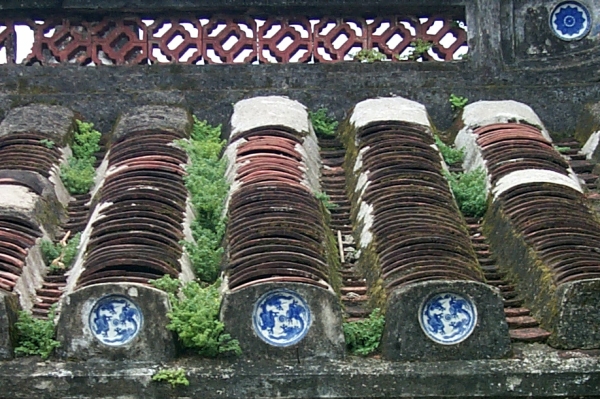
x: 415, y: 249
x: 280, y: 302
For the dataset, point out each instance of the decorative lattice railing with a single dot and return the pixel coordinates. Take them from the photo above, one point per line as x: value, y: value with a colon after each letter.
x: 229, y: 39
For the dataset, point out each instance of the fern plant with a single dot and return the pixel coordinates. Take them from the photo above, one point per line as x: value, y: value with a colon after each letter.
x: 323, y: 124
x: 363, y: 336
x: 35, y: 337
x: 470, y: 191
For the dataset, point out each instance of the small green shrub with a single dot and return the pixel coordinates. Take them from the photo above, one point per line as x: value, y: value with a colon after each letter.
x: 363, y: 337
x: 324, y: 198
x: 323, y: 124
x: 470, y: 191
x: 369, y: 56
x: 195, y: 318
x: 78, y: 173
x: 50, y: 251
x: 452, y: 156
x: 35, y: 336
x: 60, y: 256
x: 206, y: 183
x: 420, y: 48
x: 172, y: 376
x: 457, y: 102
x: 167, y: 283
x: 47, y: 143
x: 562, y: 150
x: 86, y: 141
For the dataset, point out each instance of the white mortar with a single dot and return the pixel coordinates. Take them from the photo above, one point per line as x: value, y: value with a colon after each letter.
x: 32, y: 277
x: 75, y: 271
x: 311, y: 161
x: 590, y: 145
x: 528, y: 176
x: 231, y: 172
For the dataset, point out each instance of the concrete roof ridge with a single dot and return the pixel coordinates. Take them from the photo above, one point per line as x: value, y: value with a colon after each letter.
x: 483, y: 113
x: 264, y: 111
x: 389, y: 109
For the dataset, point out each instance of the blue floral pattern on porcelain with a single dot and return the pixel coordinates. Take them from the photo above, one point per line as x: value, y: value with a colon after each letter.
x: 115, y: 320
x: 281, y: 318
x: 570, y: 20
x: 448, y: 318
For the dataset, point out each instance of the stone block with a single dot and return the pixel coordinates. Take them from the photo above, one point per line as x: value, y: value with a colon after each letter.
x: 285, y: 321
x: 445, y: 320
x: 9, y: 307
x: 577, y: 321
x: 116, y: 322
x: 154, y: 117
x: 53, y: 121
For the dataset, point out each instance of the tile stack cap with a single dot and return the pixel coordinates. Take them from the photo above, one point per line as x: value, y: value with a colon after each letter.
x: 268, y: 111
x: 388, y: 109
x: 483, y: 113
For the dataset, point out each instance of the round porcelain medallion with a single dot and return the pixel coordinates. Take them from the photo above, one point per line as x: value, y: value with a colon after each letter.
x: 570, y: 20
x: 448, y: 318
x: 281, y: 317
x: 115, y: 320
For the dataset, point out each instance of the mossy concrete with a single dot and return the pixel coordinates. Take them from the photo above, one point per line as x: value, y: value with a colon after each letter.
x: 535, y: 371
x: 9, y: 307
x: 404, y: 339
x: 152, y: 343
x: 55, y: 122
x: 568, y: 311
x: 324, y: 338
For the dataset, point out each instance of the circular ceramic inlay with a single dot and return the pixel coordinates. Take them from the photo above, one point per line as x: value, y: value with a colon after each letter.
x: 281, y: 318
x: 115, y: 320
x: 448, y: 318
x: 570, y: 20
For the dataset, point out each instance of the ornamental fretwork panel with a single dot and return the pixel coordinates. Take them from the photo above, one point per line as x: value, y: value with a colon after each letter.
x: 227, y: 39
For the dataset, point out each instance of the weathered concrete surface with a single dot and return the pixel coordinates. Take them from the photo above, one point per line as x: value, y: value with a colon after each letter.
x: 577, y: 320
x: 535, y: 371
x: 52, y: 121
x: 528, y: 176
x: 269, y: 111
x: 570, y: 311
x: 388, y: 109
x: 153, y: 342
x: 101, y: 94
x: 404, y: 339
x: 46, y: 209
x: 324, y: 339
x: 483, y: 113
x: 9, y: 307
x: 170, y: 119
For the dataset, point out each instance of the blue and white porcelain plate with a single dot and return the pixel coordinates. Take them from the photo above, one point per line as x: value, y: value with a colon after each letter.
x: 570, y: 20
x: 115, y: 320
x: 281, y: 318
x: 448, y: 318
